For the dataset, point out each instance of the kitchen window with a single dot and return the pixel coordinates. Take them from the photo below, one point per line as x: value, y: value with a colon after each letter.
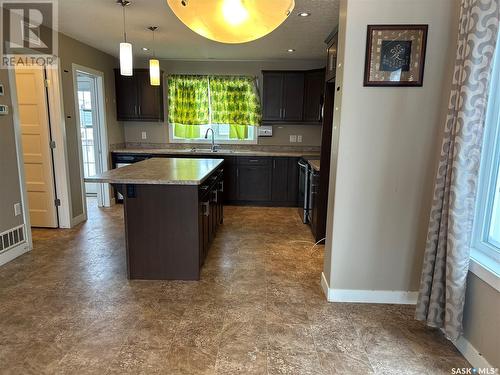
x: 485, y: 252
x: 229, y: 105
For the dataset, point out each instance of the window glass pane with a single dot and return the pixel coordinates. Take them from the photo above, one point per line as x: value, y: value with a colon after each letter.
x: 494, y: 232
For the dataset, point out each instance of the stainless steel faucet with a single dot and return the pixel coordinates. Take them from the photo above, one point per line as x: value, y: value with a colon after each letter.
x: 214, y: 147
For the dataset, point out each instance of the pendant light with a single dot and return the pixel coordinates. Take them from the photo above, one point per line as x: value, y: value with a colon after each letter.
x: 126, y: 58
x: 232, y: 21
x: 154, y: 64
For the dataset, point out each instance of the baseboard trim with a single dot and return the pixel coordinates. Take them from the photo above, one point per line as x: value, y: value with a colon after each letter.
x: 471, y: 354
x: 79, y: 219
x: 368, y: 296
x: 13, y: 253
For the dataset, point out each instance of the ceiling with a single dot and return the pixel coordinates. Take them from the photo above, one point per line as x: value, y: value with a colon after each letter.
x: 99, y: 23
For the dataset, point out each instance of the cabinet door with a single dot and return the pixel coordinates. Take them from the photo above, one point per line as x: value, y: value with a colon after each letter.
x: 150, y: 104
x: 293, y: 96
x: 230, y: 183
x: 293, y: 180
x: 254, y: 183
x: 272, y: 96
x: 126, y: 97
x: 331, y: 63
x: 313, y: 96
x: 280, y: 180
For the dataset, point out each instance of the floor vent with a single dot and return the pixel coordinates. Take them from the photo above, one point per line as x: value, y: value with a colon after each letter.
x: 11, y: 238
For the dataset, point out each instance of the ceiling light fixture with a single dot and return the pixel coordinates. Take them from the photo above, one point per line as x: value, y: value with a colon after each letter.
x: 126, y: 58
x: 154, y: 63
x: 304, y: 14
x: 232, y: 21
x: 290, y: 50
x: 145, y: 48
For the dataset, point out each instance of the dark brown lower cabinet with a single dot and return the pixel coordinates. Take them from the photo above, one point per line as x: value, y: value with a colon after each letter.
x: 263, y: 181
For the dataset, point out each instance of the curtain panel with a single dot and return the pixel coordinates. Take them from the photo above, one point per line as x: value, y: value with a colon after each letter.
x: 188, y: 104
x: 446, y: 258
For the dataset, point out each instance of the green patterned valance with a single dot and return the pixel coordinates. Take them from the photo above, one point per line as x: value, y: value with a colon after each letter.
x: 188, y: 100
x: 234, y: 101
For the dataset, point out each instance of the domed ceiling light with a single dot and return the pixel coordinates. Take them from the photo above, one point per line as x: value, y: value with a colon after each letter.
x: 232, y: 21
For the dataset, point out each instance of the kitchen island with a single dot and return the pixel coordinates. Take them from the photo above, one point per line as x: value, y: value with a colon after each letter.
x: 172, y: 210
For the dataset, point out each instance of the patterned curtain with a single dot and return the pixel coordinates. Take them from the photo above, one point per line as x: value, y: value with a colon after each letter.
x: 234, y: 101
x: 446, y: 259
x: 187, y: 104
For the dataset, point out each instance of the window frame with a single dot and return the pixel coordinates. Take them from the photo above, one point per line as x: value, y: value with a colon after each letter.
x: 485, y: 257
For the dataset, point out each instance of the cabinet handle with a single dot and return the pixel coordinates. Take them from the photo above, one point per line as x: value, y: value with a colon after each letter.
x: 274, y: 164
x: 284, y: 112
x: 140, y: 110
x: 135, y: 109
x: 216, y: 196
x: 253, y: 161
x: 207, y: 208
x: 237, y: 172
x: 222, y: 186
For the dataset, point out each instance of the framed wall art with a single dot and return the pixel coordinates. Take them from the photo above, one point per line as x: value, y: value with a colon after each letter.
x: 395, y: 55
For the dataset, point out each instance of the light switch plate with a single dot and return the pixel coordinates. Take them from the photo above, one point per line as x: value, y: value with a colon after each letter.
x: 299, y: 138
x: 293, y: 138
x: 144, y: 135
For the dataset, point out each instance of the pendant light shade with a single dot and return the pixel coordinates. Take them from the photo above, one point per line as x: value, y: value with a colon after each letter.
x: 232, y: 21
x: 126, y: 59
x: 154, y: 72
x: 154, y: 63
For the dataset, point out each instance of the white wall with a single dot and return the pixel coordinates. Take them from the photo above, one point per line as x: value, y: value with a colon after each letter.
x: 387, y: 151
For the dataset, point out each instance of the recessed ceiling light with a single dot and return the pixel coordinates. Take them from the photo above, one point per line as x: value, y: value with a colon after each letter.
x: 145, y: 48
x: 290, y: 50
x: 304, y: 14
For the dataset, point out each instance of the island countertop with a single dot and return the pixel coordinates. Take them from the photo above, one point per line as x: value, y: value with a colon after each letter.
x: 160, y: 171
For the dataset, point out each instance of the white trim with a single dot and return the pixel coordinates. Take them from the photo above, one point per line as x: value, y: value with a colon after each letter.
x: 16, y: 251
x: 20, y: 161
x: 485, y: 268
x: 79, y: 219
x: 58, y: 131
x: 471, y: 354
x: 368, y: 296
x: 104, y: 192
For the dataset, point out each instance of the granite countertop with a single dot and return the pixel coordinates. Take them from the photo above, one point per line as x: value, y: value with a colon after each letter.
x: 315, y: 164
x: 223, y: 152
x: 160, y: 171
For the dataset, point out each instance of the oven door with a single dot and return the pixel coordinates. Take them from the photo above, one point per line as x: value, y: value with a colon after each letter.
x: 304, y: 191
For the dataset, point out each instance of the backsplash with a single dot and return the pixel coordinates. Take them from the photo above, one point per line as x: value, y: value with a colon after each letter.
x: 269, y: 148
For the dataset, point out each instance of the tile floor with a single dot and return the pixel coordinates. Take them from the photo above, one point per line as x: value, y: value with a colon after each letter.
x: 67, y: 308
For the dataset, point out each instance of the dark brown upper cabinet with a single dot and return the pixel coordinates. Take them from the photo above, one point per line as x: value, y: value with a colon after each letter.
x: 283, y: 96
x: 136, y: 99
x: 292, y: 96
x: 331, y: 59
x: 313, y: 95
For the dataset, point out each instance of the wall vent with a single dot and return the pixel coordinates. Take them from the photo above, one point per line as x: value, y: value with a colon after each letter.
x: 12, y: 238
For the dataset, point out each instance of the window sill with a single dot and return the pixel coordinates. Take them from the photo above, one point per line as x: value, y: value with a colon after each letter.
x: 486, y: 268
x: 218, y: 142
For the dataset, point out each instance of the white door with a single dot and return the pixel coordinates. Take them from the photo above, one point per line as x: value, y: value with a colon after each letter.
x: 38, y: 169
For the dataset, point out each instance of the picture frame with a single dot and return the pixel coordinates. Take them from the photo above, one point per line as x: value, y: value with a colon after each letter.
x: 395, y: 55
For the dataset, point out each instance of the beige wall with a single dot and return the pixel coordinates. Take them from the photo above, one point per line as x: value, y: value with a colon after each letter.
x: 482, y: 318
x: 74, y: 52
x: 158, y: 132
x: 387, y: 152
x: 10, y: 191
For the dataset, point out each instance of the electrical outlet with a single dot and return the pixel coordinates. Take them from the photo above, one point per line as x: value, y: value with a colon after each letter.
x: 299, y: 138
x: 17, y: 209
x: 293, y: 138
x: 144, y: 135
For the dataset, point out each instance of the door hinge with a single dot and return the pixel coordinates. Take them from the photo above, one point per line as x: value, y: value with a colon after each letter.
x: 52, y: 144
x: 57, y: 202
x: 47, y: 82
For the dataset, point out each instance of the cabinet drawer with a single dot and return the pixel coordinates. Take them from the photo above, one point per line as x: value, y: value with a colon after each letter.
x: 249, y: 160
